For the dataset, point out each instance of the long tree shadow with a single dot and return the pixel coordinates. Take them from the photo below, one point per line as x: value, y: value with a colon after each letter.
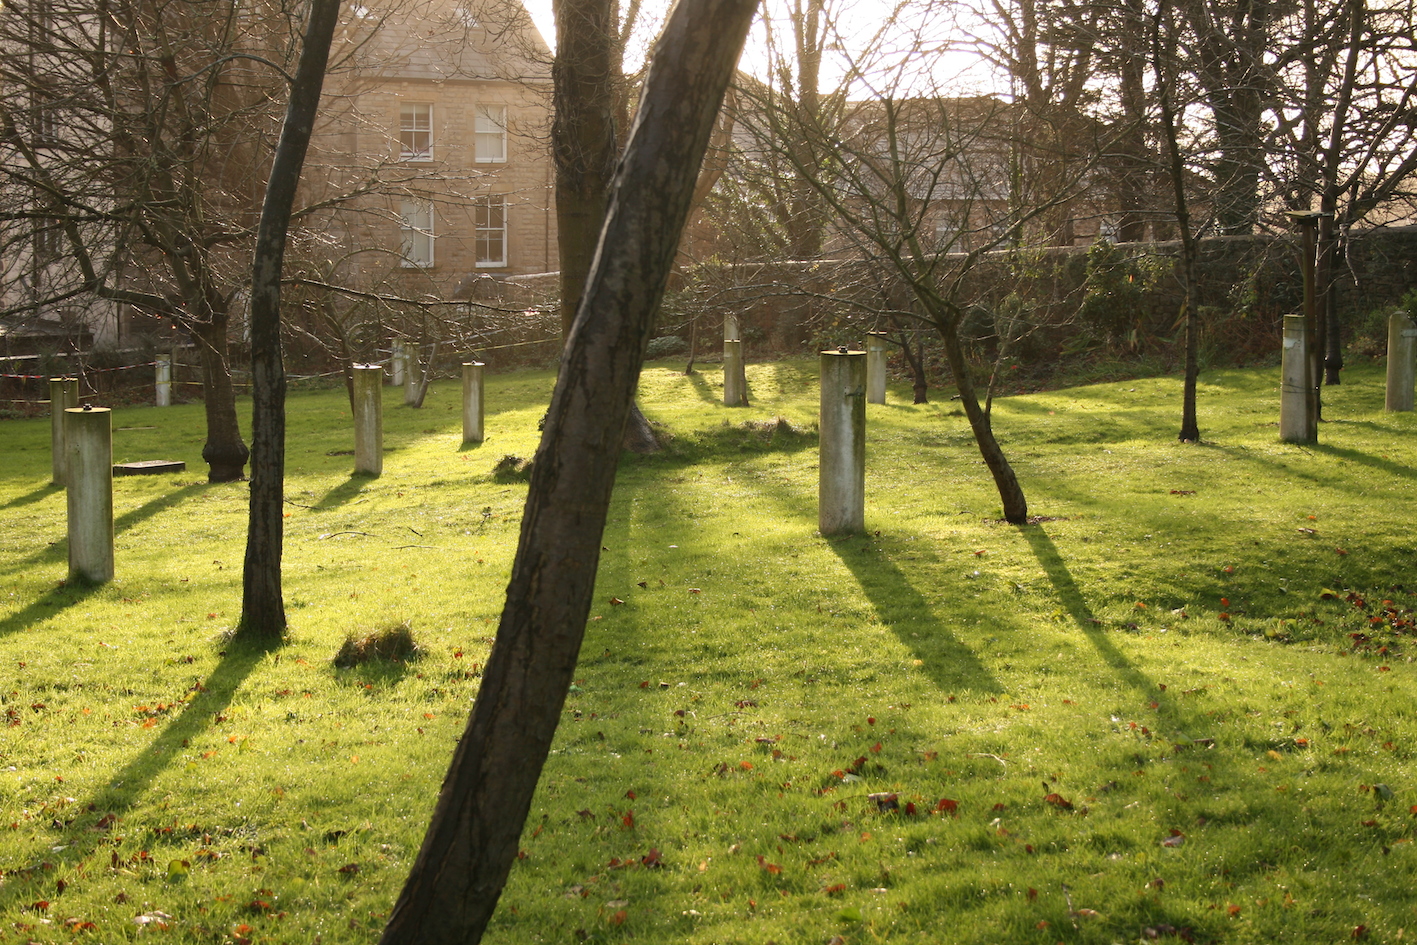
x: 85, y: 834
x: 1076, y: 606
x: 1073, y: 601
x: 947, y: 661
x: 50, y: 603
x: 702, y: 388
x: 36, y: 495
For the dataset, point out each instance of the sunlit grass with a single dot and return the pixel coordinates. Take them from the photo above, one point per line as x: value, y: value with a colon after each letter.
x: 1167, y: 654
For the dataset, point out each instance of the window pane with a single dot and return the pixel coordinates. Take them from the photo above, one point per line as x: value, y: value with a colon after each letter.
x: 490, y: 216
x: 491, y: 131
x: 416, y: 132
x: 417, y: 232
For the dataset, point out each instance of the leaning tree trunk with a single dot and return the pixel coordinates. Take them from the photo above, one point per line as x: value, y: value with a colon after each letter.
x: 1010, y: 492
x: 225, y: 453
x: 582, y: 138
x: 472, y: 842
x: 585, y: 74
x: 262, y: 606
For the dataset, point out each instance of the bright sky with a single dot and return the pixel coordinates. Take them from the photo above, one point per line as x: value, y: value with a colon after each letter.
x: 945, y: 67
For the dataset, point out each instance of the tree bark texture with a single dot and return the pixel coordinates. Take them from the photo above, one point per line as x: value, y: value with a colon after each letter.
x: 224, y: 452
x: 586, y: 95
x: 472, y: 840
x: 1011, y: 495
x: 582, y: 137
x: 262, y: 605
x: 1163, y: 65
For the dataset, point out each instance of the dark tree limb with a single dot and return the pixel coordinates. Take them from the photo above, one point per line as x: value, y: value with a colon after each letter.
x: 472, y: 840
x: 262, y: 606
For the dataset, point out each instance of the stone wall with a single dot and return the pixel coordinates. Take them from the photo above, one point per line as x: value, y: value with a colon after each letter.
x: 1246, y: 286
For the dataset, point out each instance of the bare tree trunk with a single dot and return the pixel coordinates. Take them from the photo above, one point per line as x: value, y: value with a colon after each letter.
x: 262, y: 606
x: 472, y: 842
x: 225, y: 453
x: 915, y: 360
x: 693, y: 344
x: 1010, y: 492
x: 1328, y: 204
x: 426, y: 376
x: 1163, y: 64
x: 582, y: 137
x: 585, y: 75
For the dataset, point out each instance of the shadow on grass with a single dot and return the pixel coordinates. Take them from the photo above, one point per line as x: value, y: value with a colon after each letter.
x: 731, y: 440
x: 343, y: 492
x: 1168, y: 711
x: 948, y: 663
x: 57, y: 551
x: 1298, y: 470
x: 52, y: 602
x: 210, y: 698
x: 1070, y: 596
x: 377, y: 673
x: 1367, y: 459
x: 88, y: 832
x: 37, y: 495
x: 702, y: 388
x: 153, y: 506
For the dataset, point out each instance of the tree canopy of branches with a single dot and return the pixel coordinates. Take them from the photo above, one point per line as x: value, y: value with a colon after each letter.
x: 917, y: 182
x: 136, y: 137
x: 133, y: 130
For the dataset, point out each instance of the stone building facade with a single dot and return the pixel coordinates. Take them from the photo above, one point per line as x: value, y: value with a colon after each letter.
x: 449, y: 111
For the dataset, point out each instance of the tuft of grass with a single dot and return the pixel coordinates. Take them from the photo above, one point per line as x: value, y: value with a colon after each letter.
x: 393, y: 644
x: 512, y: 469
x: 1179, y: 704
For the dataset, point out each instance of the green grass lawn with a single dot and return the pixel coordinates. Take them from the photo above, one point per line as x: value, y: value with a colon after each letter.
x: 1180, y: 706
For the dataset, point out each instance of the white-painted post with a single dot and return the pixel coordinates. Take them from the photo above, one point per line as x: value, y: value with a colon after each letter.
x: 89, y: 446
x: 412, y: 374
x: 841, y: 491
x: 1296, y: 420
x: 730, y: 328
x: 63, y: 394
x: 1401, y: 347
x: 398, y: 357
x: 162, y: 380
x: 368, y: 419
x: 735, y: 377
x: 472, y: 406
x: 876, y: 367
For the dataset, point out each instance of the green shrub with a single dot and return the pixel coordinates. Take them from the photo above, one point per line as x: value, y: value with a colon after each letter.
x: 1113, y: 292
x: 665, y: 346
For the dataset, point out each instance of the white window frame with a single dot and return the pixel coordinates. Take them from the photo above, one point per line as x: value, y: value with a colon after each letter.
x: 486, y: 235
x: 417, y: 247
x: 47, y: 234
x: 490, y: 134
x: 415, y: 119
